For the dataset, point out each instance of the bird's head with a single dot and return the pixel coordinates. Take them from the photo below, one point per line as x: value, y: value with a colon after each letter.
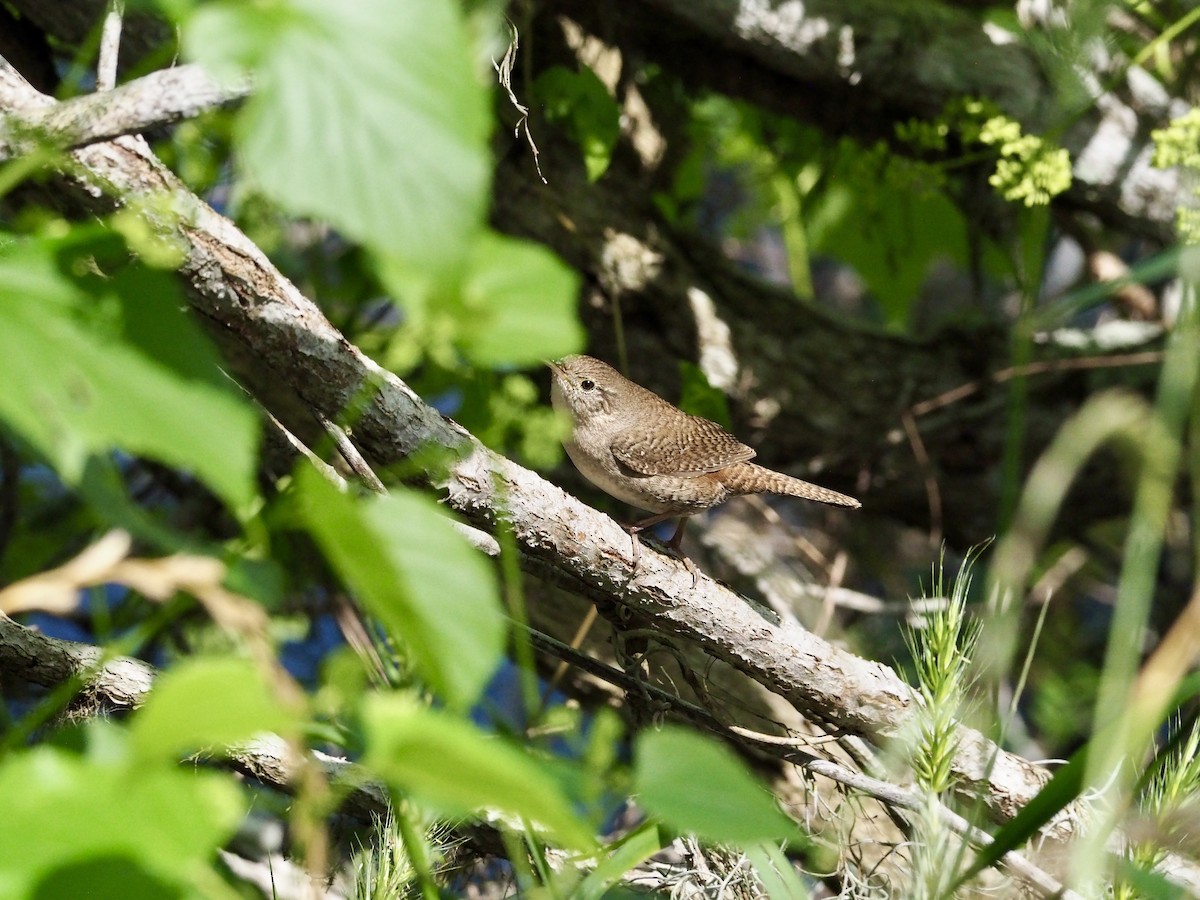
x: 586, y: 388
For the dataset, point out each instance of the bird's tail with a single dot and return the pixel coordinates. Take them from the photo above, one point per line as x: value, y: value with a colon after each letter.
x: 748, y: 478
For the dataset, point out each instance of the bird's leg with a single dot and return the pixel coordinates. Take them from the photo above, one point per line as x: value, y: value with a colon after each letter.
x: 677, y: 538
x: 673, y: 544
x: 642, y: 525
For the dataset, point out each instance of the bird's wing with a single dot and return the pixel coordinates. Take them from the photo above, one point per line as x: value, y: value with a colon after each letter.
x: 687, y: 446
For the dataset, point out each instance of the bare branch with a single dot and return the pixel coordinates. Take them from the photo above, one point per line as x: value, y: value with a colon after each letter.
x: 161, y: 98
x: 110, y: 46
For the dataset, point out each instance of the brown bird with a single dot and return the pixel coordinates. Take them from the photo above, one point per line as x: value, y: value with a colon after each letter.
x: 636, y: 446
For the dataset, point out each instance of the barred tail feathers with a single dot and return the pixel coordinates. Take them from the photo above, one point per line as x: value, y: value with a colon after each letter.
x: 748, y: 478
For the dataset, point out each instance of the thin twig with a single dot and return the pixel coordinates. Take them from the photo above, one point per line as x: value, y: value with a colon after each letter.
x: 804, y: 545
x: 837, y: 574
x: 932, y: 490
x: 560, y: 670
x: 331, y: 474
x: 1044, y: 367
x: 504, y: 70
x: 110, y: 46
x: 351, y: 455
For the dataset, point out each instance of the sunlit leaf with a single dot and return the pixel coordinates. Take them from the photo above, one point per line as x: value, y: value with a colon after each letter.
x: 410, y: 568
x: 520, y: 304
x: 90, y: 365
x: 455, y: 768
x: 699, y: 786
x: 593, y: 118
x: 879, y: 217
x: 366, y: 113
x: 202, y: 703
x: 65, y: 815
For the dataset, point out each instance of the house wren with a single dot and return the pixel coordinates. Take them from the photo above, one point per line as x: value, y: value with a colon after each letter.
x: 640, y: 449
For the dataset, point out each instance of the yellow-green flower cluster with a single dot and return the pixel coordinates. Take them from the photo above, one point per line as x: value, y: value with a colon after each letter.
x: 1029, y: 169
x: 1179, y: 145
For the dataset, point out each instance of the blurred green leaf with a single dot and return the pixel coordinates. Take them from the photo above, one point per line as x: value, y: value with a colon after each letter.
x: 1149, y: 884
x: 698, y: 786
x: 202, y: 703
x: 699, y: 398
x: 446, y: 762
x: 409, y: 567
x: 366, y: 113
x: 90, y: 365
x: 620, y: 856
x: 105, y: 878
x: 64, y: 814
x: 890, y: 231
x: 592, y: 116
x: 776, y: 873
x: 520, y: 304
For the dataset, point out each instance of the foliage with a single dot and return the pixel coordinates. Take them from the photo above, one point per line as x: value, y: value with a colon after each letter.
x: 1029, y: 168
x: 1176, y: 145
x: 581, y: 100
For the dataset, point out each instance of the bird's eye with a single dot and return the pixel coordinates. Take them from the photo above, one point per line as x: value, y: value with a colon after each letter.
x: 587, y: 384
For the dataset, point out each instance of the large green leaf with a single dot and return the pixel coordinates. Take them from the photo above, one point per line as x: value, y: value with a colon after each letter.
x: 593, y: 117
x: 452, y: 766
x: 203, y: 703
x: 891, y: 232
x: 365, y: 113
x: 66, y: 818
x: 408, y: 565
x: 90, y: 365
x: 520, y: 304
x: 699, y: 786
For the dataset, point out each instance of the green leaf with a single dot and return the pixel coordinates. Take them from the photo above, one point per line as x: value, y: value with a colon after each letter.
x: 776, y: 873
x: 1147, y: 883
x: 409, y: 567
x: 590, y: 112
x: 520, y: 304
x: 202, y: 703
x: 621, y: 856
x: 699, y: 786
x: 452, y: 766
x: 890, y: 231
x: 91, y: 365
x: 63, y: 814
x: 1062, y: 788
x: 366, y: 113
x: 105, y: 878
x: 699, y: 398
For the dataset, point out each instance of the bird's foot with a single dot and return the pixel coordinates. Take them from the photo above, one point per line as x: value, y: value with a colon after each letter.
x: 672, y: 546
